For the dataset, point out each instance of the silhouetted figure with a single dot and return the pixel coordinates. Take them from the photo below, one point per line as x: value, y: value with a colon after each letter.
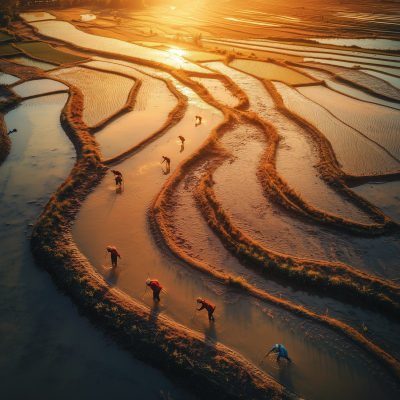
x: 155, y: 287
x: 182, y: 139
x: 198, y: 120
x: 116, y: 172
x: 118, y: 180
x: 14, y: 130
x: 210, y: 307
x: 168, y: 161
x: 114, y: 254
x: 282, y: 352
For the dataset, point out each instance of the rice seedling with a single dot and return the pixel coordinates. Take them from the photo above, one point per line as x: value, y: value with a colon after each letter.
x: 46, y: 52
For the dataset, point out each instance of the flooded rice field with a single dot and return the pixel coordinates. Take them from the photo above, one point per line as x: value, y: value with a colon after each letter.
x: 36, y: 16
x: 378, y: 123
x: 347, y: 90
x: 153, y: 104
x: 369, y: 81
x: 115, y: 88
x: 218, y: 91
x: 378, y: 44
x: 45, y: 342
x: 67, y: 32
x: 32, y: 63
x: 356, y: 153
x: 271, y: 71
x: 88, y: 17
x: 197, y: 179
x: 7, y: 79
x: 391, y: 79
x: 39, y: 86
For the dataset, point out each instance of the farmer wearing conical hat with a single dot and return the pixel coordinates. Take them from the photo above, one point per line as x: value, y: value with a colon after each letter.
x: 114, y: 254
x: 210, y: 307
x: 155, y: 287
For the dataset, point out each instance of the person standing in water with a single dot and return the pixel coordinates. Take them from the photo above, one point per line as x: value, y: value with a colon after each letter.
x: 210, y: 307
x: 114, y: 254
x: 282, y: 352
x: 118, y: 180
x: 182, y: 139
x: 198, y: 120
x: 116, y: 172
x: 155, y: 287
x: 168, y: 161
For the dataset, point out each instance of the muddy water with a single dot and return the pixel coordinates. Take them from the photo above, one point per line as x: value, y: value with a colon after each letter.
x: 356, y: 154
x: 391, y: 79
x: 67, y: 32
x: 296, y: 155
x: 385, y: 195
x: 153, y: 104
x: 363, y: 79
x: 45, y: 343
x: 36, y: 16
x: 322, y: 52
x: 358, y: 94
x: 104, y: 94
x: 87, y: 17
x: 273, y: 228
x: 32, y: 63
x: 110, y: 217
x: 325, y: 58
x: 379, y: 44
x: 271, y: 71
x: 38, y: 86
x: 218, y: 91
x: 6, y: 79
x: 196, y: 238
x: 196, y: 55
x: 380, y: 124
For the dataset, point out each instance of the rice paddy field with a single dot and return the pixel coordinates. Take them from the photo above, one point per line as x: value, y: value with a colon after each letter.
x: 98, y: 105
x: 7, y: 48
x: 32, y: 63
x: 271, y: 71
x: 46, y: 52
x: 39, y: 86
x: 246, y: 155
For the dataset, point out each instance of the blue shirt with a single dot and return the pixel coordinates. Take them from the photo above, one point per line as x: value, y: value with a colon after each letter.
x: 282, y: 352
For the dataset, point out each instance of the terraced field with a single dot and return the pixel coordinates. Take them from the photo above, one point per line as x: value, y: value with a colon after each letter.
x: 262, y: 177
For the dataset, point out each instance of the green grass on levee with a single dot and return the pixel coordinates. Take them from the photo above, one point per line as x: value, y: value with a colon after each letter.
x: 45, y: 52
x: 5, y: 36
x: 6, y: 48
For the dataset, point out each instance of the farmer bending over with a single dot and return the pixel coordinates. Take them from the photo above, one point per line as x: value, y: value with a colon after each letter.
x: 182, y: 139
x: 210, y: 307
x: 156, y: 287
x: 116, y: 172
x: 282, y: 352
x: 114, y: 254
x: 168, y: 161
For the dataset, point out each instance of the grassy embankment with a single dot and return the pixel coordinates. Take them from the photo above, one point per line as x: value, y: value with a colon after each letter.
x: 210, y: 370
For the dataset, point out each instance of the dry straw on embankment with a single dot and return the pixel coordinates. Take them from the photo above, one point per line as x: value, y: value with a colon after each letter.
x: 204, y: 367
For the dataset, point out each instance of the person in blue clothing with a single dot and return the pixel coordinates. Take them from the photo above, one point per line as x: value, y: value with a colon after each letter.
x: 282, y: 352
